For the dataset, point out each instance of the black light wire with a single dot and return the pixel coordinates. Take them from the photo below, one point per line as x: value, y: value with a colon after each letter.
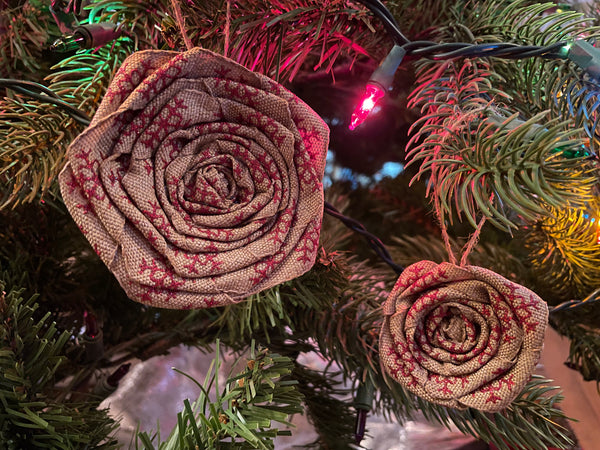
x: 505, y: 50
x: 387, y: 19
x: 375, y: 243
x: 570, y: 304
x: 42, y: 93
x: 443, y: 51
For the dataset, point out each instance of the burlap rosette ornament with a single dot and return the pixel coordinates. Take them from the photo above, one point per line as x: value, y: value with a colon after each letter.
x: 461, y: 336
x: 198, y: 182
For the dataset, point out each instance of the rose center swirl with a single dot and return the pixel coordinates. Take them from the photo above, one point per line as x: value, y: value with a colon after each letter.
x: 213, y: 182
x: 455, y: 333
x: 453, y: 328
x: 217, y: 183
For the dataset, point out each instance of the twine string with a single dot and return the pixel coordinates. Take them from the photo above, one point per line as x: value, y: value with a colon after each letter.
x: 438, y: 208
x: 473, y: 239
x: 227, y: 28
x: 181, y: 24
x: 446, y: 238
x: 470, y: 245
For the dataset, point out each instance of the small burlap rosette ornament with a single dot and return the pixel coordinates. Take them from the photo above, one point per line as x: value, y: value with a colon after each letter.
x: 198, y: 182
x: 461, y: 336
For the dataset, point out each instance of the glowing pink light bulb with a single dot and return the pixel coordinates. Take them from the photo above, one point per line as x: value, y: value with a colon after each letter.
x: 372, y: 95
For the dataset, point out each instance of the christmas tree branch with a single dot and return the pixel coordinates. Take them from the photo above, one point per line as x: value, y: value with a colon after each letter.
x: 141, y: 21
x: 83, y: 78
x: 483, y: 161
x: 583, y: 350
x: 525, y: 22
x: 24, y: 31
x: 34, y: 135
x: 305, y: 33
x: 33, y: 139
x: 31, y: 352
x: 326, y: 396
x: 577, y: 97
x: 580, y: 326
x: 564, y: 253
x: 530, y: 422
x: 245, y: 410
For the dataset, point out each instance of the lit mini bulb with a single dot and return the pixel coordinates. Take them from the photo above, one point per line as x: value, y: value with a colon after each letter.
x: 372, y: 95
x: 380, y: 81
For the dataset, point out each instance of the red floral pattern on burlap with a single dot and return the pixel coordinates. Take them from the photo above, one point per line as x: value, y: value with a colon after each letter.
x: 198, y: 182
x: 461, y: 336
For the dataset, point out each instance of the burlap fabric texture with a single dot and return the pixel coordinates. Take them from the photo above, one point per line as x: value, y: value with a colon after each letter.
x: 198, y: 182
x: 461, y: 336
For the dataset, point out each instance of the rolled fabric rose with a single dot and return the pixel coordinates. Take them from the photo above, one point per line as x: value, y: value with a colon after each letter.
x: 461, y: 336
x: 198, y: 182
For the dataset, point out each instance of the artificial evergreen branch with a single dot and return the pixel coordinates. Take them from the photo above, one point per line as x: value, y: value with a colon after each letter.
x: 141, y: 20
x: 584, y: 349
x: 31, y: 352
x: 326, y: 396
x: 245, y: 410
x: 82, y: 79
x: 305, y: 33
x: 34, y: 135
x: 271, y: 311
x: 524, y: 22
x: 538, y: 85
x: 24, y: 31
x: 577, y: 98
x: 33, y: 139
x: 530, y: 422
x: 580, y: 326
x: 564, y: 253
x: 483, y: 161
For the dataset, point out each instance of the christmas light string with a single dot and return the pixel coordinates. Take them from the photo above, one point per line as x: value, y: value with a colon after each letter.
x: 570, y: 304
x: 375, y: 243
x: 46, y: 95
x: 582, y: 53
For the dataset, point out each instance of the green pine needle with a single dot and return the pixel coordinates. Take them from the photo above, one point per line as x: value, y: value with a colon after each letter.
x: 31, y: 352
x: 564, y: 253
x: 245, y: 411
x: 484, y: 162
